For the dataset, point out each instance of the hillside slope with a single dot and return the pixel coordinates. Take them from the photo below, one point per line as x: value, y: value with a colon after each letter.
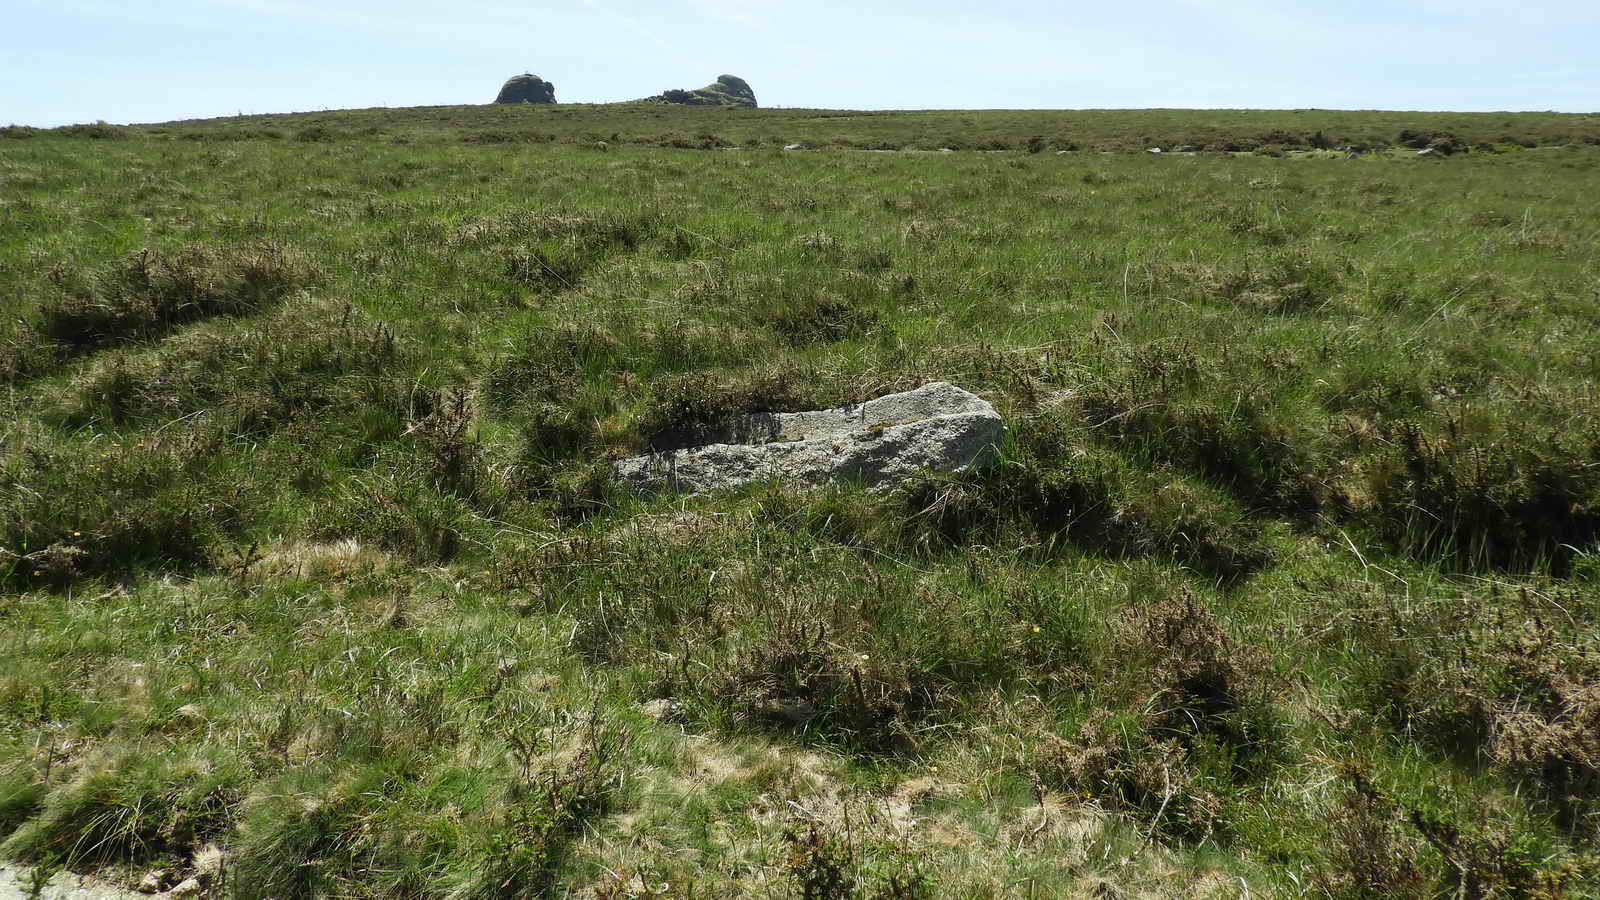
x: 1286, y: 579
x: 653, y: 124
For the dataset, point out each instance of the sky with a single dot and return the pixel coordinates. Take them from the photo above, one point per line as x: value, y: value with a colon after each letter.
x: 158, y: 60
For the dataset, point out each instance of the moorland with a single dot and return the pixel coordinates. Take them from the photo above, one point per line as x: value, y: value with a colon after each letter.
x: 1285, y: 580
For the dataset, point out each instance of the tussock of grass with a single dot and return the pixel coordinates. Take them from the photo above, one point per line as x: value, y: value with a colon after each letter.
x: 150, y: 294
x: 78, y: 514
x: 133, y: 807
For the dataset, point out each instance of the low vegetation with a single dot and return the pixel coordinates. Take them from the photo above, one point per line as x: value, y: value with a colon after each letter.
x: 1285, y: 581
x: 653, y: 124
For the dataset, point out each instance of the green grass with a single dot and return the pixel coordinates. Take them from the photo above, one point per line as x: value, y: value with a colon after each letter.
x: 1284, y: 581
x: 1033, y: 130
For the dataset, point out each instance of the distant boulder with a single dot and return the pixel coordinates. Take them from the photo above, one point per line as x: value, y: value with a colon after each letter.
x: 527, y: 88
x: 727, y: 90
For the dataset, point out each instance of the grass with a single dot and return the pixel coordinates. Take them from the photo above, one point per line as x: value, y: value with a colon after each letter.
x: 1035, y: 131
x: 1283, y: 583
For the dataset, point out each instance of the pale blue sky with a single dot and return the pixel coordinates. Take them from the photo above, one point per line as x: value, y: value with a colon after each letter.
x: 155, y: 60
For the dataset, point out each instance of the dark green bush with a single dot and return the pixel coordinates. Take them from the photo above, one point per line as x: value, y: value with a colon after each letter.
x: 99, y: 131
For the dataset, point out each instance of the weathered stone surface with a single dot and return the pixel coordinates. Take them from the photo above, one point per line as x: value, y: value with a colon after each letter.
x: 17, y: 883
x: 727, y: 90
x: 881, y: 443
x: 527, y: 88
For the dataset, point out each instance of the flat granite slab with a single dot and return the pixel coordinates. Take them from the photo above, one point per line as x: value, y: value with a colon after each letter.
x: 881, y: 443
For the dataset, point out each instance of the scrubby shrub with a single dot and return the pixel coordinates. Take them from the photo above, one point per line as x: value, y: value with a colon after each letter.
x: 542, y: 361
x: 685, y: 409
x: 232, y: 134
x: 1442, y: 142
x: 97, y: 131
x: 1384, y: 846
x: 395, y: 505
x: 544, y: 387
x: 26, y: 352
x: 151, y: 293
x: 1056, y: 492
x: 1196, y: 681
x: 293, y: 364
x: 553, y: 252
x: 697, y: 407
x: 556, y: 267
x: 455, y: 457
x: 130, y: 809
x: 1372, y: 853
x: 1199, y: 724
x: 1524, y: 698
x: 1280, y: 140
x: 1517, y: 501
x: 822, y: 318
x: 1119, y: 764
x: 507, y: 137
x: 1245, y: 449
x: 802, y: 678
x: 824, y: 866
x: 549, y: 809
x: 112, y: 511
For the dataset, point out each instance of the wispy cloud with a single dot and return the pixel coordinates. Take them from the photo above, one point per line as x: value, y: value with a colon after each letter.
x: 636, y: 26
x: 755, y: 14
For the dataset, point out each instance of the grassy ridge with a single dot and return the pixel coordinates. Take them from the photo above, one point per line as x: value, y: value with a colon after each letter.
x: 706, y: 128
x: 1287, y: 576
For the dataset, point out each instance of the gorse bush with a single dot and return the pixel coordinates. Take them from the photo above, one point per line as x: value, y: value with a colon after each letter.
x: 1118, y: 763
x: 396, y: 504
x: 800, y: 678
x: 1060, y: 495
x: 1199, y: 725
x: 315, y: 134
x: 1389, y: 847
x: 819, y: 319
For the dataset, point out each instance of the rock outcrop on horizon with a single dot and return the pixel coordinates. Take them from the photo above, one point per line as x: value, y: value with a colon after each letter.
x: 527, y: 88
x: 727, y: 90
